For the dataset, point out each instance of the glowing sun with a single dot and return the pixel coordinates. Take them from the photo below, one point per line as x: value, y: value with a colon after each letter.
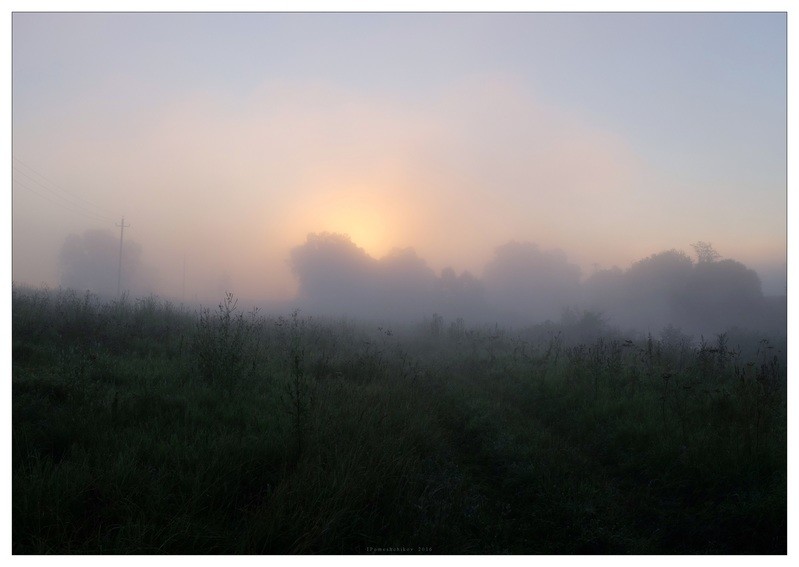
x: 369, y: 219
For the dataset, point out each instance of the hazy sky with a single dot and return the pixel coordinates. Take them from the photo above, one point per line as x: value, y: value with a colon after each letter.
x: 226, y: 138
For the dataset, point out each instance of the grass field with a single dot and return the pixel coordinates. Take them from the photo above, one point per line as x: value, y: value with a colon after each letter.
x: 141, y: 427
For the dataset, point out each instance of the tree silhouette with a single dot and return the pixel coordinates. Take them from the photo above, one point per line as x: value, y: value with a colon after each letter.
x: 721, y: 294
x: 528, y: 284
x: 90, y: 261
x: 334, y: 273
x: 461, y: 295
x: 705, y: 252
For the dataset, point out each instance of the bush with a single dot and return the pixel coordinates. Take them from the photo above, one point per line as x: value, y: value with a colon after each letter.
x: 225, y: 343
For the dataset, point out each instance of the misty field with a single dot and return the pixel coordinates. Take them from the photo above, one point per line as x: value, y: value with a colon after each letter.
x: 144, y: 427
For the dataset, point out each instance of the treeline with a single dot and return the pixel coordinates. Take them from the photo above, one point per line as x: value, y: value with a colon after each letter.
x: 523, y: 285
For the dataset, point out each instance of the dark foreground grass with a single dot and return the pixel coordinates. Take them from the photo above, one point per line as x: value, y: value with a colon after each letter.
x: 142, y: 428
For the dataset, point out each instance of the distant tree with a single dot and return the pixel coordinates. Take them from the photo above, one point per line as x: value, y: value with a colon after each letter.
x: 334, y: 273
x: 705, y: 252
x: 90, y: 261
x: 406, y: 284
x: 583, y: 327
x: 667, y: 270
x: 722, y: 294
x: 461, y: 295
x: 403, y: 268
x: 670, y: 290
x: 529, y: 284
x: 337, y: 277
x: 653, y: 287
x: 604, y: 290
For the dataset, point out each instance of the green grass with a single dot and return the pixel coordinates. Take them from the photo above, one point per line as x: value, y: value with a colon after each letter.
x: 139, y: 427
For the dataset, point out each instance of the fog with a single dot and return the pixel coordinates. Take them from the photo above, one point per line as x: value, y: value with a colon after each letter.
x: 485, y: 166
x: 521, y: 285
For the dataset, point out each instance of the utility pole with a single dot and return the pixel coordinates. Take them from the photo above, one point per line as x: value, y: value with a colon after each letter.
x: 183, y: 293
x: 121, y: 236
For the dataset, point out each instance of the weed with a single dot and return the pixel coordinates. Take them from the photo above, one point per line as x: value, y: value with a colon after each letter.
x: 224, y: 343
x: 323, y: 436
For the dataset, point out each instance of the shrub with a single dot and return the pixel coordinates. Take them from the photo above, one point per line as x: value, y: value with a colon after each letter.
x: 225, y: 344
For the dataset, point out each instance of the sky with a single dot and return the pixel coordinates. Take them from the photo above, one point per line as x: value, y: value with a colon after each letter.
x: 224, y: 139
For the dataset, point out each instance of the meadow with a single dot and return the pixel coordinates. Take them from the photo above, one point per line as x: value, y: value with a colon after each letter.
x: 143, y: 427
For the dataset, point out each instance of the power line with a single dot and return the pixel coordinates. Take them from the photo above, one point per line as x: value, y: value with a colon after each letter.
x: 61, y: 205
x: 67, y: 195
x: 86, y: 214
x: 55, y: 197
x: 61, y: 199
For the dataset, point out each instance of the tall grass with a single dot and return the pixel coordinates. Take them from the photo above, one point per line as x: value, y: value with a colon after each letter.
x: 141, y: 427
